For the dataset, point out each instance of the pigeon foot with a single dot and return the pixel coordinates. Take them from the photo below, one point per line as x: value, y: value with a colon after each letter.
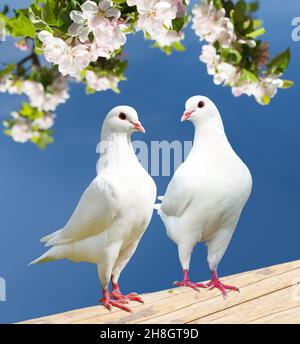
x: 216, y: 283
x: 187, y: 283
x: 109, y: 303
x: 129, y: 297
x: 117, y: 295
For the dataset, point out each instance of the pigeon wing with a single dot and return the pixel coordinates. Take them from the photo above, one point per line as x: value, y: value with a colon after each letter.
x: 177, y: 197
x: 96, y: 210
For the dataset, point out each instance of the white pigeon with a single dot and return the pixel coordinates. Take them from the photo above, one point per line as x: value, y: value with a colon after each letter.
x: 113, y: 212
x: 207, y: 193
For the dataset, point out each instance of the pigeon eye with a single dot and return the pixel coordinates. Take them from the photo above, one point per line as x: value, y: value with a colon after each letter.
x: 201, y: 104
x: 122, y: 116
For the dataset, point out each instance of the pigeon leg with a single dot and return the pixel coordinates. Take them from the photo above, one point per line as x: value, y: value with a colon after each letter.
x: 216, y: 283
x: 117, y: 295
x: 109, y: 303
x: 187, y: 283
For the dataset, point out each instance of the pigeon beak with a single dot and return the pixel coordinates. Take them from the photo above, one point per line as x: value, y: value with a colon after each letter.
x: 186, y: 115
x: 138, y: 126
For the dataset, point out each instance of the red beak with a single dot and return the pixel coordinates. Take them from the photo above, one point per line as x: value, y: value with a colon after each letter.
x: 138, y: 126
x: 186, y: 115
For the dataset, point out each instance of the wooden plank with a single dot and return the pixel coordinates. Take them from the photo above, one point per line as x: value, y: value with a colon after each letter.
x: 181, y: 304
x: 200, y: 308
x: 289, y: 316
x: 246, y: 312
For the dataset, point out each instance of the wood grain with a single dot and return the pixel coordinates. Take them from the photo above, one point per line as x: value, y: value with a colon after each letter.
x: 268, y: 295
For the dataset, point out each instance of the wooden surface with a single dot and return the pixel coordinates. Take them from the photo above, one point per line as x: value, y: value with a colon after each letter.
x: 269, y: 295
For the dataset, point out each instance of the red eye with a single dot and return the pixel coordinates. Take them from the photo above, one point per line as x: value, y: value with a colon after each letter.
x: 122, y: 116
x: 201, y: 104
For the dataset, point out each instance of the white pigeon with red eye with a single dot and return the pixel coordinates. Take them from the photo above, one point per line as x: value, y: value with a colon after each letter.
x: 113, y: 212
x: 207, y: 193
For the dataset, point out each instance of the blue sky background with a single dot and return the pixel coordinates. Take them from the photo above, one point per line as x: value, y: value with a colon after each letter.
x: 39, y: 190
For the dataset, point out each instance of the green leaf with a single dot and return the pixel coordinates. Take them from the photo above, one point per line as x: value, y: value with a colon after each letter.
x: 231, y: 55
x: 167, y: 50
x: 42, y: 138
x: 279, y: 63
x: 287, y: 84
x: 7, y: 69
x: 118, y: 2
x: 21, y: 26
x: 257, y: 23
x: 256, y: 33
x: 253, y: 6
x: 247, y: 76
x: 178, y: 23
x: 89, y: 90
x: 178, y: 46
x: 240, y: 11
x: 218, y: 4
x: 48, y: 13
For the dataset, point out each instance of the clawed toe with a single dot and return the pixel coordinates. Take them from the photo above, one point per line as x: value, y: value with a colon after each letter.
x: 135, y: 297
x: 190, y: 284
x: 117, y: 295
x: 108, y: 303
x: 187, y: 283
x: 216, y: 283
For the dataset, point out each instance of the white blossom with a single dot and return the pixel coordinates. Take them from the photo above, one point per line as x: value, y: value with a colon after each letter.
x: 54, y: 48
x: 167, y: 37
x: 9, y: 85
x: 212, y: 25
x: 154, y: 14
x: 21, y: 130
x: 74, y: 60
x: 98, y: 15
x: 91, y: 17
x: 101, y: 83
x: 267, y: 88
x: 210, y: 57
x: 263, y: 90
x: 71, y: 60
x: 109, y: 37
x: 45, y: 100
x: 226, y: 73
x: 45, y: 122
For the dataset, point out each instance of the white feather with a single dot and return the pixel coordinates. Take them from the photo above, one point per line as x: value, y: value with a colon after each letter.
x: 115, y: 209
x: 208, y: 191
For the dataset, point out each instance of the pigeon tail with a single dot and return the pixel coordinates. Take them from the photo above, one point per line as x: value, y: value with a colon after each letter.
x: 48, y: 237
x: 54, y: 253
x: 57, y: 240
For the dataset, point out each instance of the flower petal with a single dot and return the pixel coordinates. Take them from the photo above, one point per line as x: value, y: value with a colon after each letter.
x: 89, y: 7
x: 77, y: 17
x: 45, y: 36
x: 74, y: 29
x: 113, y: 12
x: 84, y: 34
x: 105, y: 5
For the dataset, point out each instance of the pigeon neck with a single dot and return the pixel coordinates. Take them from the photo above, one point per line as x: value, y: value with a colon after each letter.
x: 116, y: 151
x: 213, y: 127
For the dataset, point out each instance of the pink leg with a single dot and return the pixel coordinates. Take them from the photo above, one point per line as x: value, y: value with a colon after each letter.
x: 109, y: 303
x: 116, y: 294
x: 216, y: 283
x: 187, y: 283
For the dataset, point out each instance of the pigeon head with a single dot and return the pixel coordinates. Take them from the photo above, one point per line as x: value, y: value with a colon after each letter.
x: 123, y: 119
x: 200, y: 109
